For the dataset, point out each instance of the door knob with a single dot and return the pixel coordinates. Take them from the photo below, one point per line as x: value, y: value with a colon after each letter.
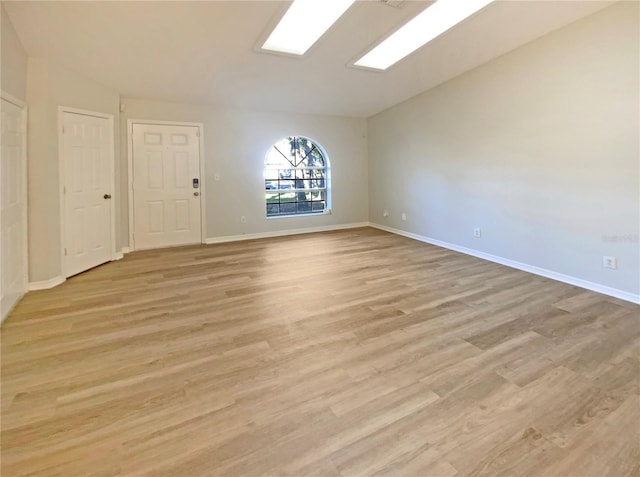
x: 196, y: 194
x: 107, y: 196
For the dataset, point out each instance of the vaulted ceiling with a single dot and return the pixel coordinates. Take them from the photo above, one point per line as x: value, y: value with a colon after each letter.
x: 206, y: 51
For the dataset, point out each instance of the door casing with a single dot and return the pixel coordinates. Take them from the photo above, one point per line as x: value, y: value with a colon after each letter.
x: 111, y: 158
x: 203, y: 214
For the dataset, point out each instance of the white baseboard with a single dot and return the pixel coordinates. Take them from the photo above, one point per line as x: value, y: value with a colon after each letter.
x: 596, y: 287
x: 281, y: 233
x: 46, y: 284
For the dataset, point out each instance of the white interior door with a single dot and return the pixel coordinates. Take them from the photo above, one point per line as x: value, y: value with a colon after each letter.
x: 86, y: 157
x: 13, y: 207
x: 166, y: 185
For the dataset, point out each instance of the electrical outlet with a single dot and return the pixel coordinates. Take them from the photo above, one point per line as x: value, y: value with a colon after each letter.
x: 610, y: 262
x: 477, y: 232
x: 404, y: 216
x: 385, y: 213
x: 243, y: 219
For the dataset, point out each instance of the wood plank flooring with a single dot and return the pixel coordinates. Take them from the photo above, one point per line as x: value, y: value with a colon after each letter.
x: 346, y: 353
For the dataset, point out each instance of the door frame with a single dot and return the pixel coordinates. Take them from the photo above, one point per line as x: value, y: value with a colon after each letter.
x: 25, y: 198
x: 203, y: 214
x: 112, y: 182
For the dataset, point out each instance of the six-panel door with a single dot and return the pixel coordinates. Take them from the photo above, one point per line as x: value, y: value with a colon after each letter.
x: 86, y: 148
x: 166, y: 161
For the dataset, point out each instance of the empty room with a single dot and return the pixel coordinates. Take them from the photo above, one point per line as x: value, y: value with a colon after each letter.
x: 342, y: 238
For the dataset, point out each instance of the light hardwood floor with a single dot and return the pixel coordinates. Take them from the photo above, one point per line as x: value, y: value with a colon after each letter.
x: 345, y: 353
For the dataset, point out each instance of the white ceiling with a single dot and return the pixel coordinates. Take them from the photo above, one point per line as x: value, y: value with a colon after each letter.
x: 205, y: 51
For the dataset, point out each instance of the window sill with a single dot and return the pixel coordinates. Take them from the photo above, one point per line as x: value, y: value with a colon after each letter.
x: 325, y: 212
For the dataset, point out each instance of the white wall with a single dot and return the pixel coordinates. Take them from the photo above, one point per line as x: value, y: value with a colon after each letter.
x: 539, y: 148
x: 13, y: 67
x: 48, y: 87
x: 236, y: 143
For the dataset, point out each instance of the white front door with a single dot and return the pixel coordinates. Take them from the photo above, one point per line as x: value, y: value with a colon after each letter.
x: 166, y: 185
x: 86, y: 158
x: 13, y: 208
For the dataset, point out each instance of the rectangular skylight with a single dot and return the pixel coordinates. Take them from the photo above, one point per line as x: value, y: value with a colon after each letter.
x: 431, y: 23
x: 305, y: 22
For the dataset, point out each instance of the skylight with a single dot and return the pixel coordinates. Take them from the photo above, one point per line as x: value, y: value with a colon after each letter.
x: 423, y: 28
x: 305, y: 22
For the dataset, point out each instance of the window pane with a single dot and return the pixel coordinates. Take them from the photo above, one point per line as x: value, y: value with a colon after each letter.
x: 286, y: 184
x: 286, y: 173
x: 270, y: 185
x: 304, y: 207
x: 288, y: 197
x: 288, y: 208
x: 318, y: 160
x: 305, y: 146
x: 318, y: 205
x: 273, y: 209
x: 271, y: 197
x: 270, y: 174
x: 315, y: 159
x: 282, y: 153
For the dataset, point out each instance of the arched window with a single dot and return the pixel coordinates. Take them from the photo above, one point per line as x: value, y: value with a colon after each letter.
x: 296, y: 177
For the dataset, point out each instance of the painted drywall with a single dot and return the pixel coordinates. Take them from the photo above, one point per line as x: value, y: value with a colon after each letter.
x: 13, y: 72
x: 539, y: 148
x: 235, y: 145
x: 48, y: 87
